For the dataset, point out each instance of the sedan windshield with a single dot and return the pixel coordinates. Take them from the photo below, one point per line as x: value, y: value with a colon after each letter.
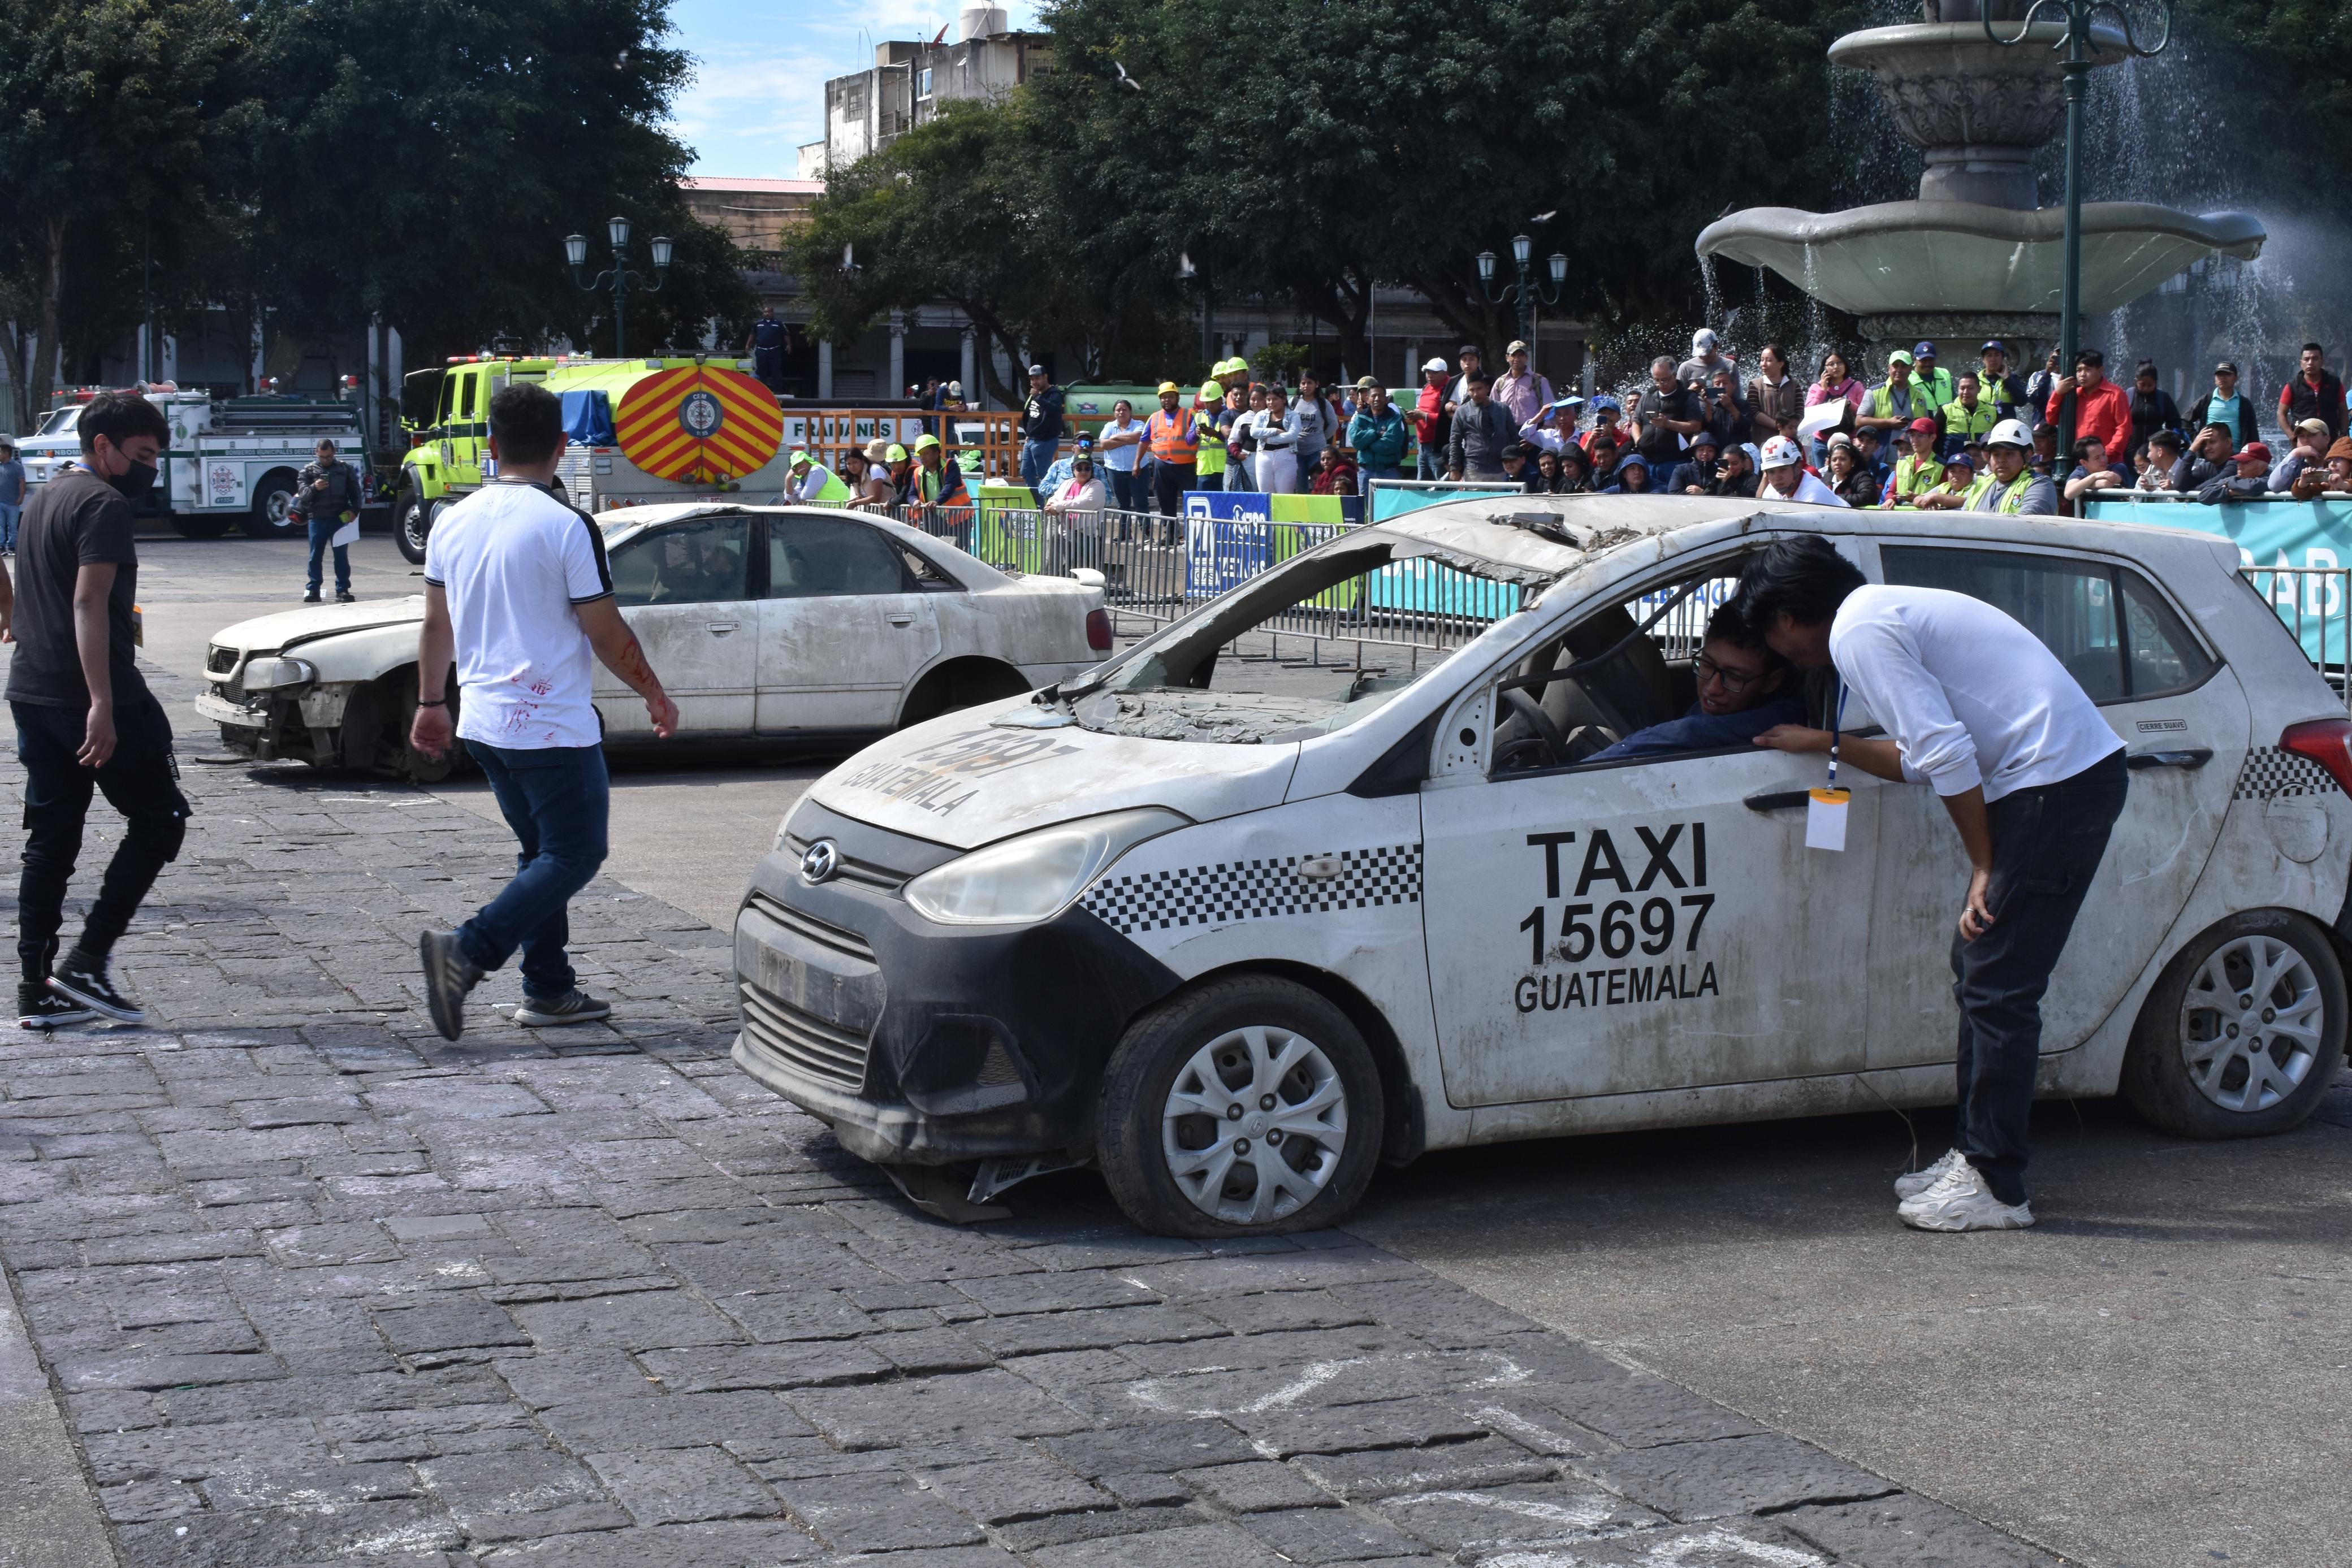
x: 1305, y: 649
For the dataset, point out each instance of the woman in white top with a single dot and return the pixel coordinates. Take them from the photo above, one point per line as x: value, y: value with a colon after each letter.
x: 1121, y: 444
x: 1083, y: 492
x: 1276, y: 467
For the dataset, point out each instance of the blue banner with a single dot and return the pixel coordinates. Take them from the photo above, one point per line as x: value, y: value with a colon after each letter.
x: 2276, y: 535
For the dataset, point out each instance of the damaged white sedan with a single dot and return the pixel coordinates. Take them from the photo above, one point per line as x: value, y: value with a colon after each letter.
x: 805, y: 625
x: 1236, y: 926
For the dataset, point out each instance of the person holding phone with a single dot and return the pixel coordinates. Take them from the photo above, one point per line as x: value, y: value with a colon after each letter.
x: 327, y: 496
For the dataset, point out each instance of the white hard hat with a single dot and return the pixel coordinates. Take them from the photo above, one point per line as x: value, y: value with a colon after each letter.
x: 1437, y: 364
x: 2011, y: 432
x: 1780, y: 453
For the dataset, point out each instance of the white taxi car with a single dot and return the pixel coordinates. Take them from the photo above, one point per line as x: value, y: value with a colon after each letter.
x: 1235, y: 941
x: 802, y: 625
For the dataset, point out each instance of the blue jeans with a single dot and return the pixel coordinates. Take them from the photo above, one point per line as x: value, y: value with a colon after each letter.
x: 321, y: 531
x: 1365, y: 476
x: 1037, y: 457
x: 556, y: 798
x: 9, y: 513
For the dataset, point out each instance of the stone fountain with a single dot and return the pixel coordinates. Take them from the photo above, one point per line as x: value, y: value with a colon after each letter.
x: 1973, y: 258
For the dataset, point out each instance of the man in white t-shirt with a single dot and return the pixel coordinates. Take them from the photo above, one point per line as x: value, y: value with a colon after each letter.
x: 1976, y: 706
x: 518, y: 601
x: 1782, y: 467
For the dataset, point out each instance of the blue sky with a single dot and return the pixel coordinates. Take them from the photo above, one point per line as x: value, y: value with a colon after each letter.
x: 762, y: 65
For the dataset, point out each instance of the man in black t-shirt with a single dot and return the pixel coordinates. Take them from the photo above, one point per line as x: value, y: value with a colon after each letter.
x: 85, y: 718
x: 1667, y: 413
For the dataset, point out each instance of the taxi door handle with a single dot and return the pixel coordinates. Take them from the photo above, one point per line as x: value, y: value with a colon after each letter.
x: 1778, y: 801
x: 2197, y: 758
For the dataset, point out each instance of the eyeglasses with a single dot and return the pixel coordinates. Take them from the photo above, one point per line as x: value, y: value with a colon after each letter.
x: 1734, y: 681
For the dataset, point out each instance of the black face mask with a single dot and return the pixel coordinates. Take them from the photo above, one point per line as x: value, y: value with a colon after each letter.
x: 135, y: 481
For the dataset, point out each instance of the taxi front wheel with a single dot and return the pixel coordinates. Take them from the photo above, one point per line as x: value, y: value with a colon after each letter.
x: 2242, y: 1033
x: 1250, y: 1106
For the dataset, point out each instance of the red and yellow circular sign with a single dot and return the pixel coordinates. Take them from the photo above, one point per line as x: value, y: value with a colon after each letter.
x: 699, y: 424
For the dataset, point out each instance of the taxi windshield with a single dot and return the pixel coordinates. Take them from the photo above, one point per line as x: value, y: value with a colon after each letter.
x: 1305, y: 649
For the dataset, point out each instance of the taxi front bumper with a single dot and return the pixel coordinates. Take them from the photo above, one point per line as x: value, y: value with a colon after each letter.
x: 923, y: 1044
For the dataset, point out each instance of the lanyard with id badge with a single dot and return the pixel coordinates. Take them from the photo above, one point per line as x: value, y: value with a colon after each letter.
x: 1825, y: 809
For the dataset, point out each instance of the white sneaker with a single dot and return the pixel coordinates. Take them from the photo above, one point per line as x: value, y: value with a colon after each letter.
x: 1961, y: 1201
x: 1919, y: 1181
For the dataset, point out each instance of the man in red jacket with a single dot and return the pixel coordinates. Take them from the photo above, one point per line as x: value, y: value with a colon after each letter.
x: 2099, y: 407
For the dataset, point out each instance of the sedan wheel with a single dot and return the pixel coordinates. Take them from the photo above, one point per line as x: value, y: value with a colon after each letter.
x: 1250, y: 1106
x: 2242, y: 1033
x: 1255, y: 1126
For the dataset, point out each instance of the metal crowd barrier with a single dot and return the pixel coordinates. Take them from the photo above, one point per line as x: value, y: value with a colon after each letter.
x: 2315, y: 602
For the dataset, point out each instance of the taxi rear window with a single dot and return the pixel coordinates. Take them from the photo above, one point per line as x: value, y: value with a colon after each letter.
x: 2106, y: 623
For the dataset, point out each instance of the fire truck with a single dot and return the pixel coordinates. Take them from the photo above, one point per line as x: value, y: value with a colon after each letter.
x: 641, y: 430
x: 230, y: 462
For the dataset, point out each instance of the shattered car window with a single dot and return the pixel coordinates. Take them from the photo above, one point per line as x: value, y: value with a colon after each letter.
x: 1306, y: 649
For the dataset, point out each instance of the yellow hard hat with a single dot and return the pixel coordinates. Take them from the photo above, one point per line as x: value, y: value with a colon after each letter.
x: 897, y: 454
x: 1170, y: 389
x: 1212, y: 389
x: 923, y: 441
x: 798, y: 457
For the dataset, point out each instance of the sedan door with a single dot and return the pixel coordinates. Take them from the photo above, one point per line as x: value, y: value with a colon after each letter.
x: 844, y: 629
x: 2184, y: 721
x: 684, y: 589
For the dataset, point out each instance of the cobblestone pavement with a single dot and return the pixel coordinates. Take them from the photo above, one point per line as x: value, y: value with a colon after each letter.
x: 314, y: 1287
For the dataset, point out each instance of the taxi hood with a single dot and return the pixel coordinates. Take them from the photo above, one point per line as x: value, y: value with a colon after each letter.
x: 292, y: 627
x: 965, y: 781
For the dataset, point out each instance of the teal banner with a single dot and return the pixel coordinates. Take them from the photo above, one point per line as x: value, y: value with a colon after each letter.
x: 2294, y: 553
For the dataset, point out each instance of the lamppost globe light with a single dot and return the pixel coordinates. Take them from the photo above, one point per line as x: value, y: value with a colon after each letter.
x: 1485, y: 266
x: 1520, y: 245
x: 1559, y: 269
x: 575, y: 249
x: 617, y: 229
x: 662, y: 249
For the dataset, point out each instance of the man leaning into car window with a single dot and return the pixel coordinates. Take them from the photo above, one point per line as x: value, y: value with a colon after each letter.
x: 1744, y: 689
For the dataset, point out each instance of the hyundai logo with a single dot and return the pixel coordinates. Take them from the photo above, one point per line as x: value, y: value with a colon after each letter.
x: 823, y: 860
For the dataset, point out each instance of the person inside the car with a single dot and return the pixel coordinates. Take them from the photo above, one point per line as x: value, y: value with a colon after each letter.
x: 1744, y: 689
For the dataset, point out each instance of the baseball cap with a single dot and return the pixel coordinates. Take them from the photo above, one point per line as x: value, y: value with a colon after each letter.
x: 1993, y: 345
x: 1365, y: 383
x: 2010, y: 432
x: 955, y: 389
x: 1962, y: 459
x: 924, y: 443
x: 1168, y: 387
x: 1923, y: 349
x: 2315, y: 427
x: 2253, y: 451
x: 1608, y: 401
x: 1899, y: 358
x: 1435, y: 364
x: 1702, y: 339
x: 1081, y: 461
x: 2228, y: 366
x: 1036, y: 370
x: 1518, y: 346
x: 1780, y: 453
x: 1922, y: 426
x: 897, y: 454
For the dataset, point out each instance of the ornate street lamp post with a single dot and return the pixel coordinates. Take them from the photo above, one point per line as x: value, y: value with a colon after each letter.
x: 1526, y: 291
x: 2081, y: 52
x: 617, y: 229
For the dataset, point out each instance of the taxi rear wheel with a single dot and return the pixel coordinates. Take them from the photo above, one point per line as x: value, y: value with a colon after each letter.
x: 2242, y: 1033
x: 1250, y: 1106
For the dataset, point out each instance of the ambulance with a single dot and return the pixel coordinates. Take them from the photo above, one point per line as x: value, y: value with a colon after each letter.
x: 1329, y: 873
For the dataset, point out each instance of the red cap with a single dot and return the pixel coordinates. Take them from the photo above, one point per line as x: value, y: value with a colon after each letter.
x: 1923, y: 426
x: 2251, y: 451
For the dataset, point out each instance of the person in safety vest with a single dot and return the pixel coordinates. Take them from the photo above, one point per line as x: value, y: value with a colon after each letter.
x: 1208, y: 409
x: 1960, y: 486
x: 2012, y: 488
x: 1896, y: 401
x: 1172, y: 436
x: 1970, y: 416
x: 1926, y: 377
x: 813, y: 484
x: 1917, y: 471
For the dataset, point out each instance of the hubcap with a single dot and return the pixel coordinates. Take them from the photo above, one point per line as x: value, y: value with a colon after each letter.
x: 2251, y: 1022
x: 1255, y: 1125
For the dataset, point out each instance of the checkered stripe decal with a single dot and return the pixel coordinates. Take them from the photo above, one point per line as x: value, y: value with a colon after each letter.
x: 2270, y: 771
x: 1255, y: 890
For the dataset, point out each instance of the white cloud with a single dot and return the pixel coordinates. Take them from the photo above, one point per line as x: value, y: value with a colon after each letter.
x: 762, y: 66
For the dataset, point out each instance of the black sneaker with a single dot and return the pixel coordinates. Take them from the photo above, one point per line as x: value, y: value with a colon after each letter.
x: 343, y: 597
x: 310, y: 597
x: 37, y: 1006
x: 448, y: 976
x: 575, y: 1005
x: 86, y: 981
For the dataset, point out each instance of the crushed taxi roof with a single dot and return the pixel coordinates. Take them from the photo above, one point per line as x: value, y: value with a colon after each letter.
x: 1539, y: 537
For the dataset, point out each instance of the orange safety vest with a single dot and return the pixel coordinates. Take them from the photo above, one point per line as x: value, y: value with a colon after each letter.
x: 1175, y: 440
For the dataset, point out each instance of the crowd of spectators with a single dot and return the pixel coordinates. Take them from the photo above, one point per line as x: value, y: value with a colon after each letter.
x: 1983, y: 435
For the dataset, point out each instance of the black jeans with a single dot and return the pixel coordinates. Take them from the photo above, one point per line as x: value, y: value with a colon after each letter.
x: 1169, y: 482
x: 2046, y: 847
x: 141, y: 780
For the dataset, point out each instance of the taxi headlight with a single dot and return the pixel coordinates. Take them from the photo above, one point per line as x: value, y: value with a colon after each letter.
x: 1031, y: 877
x: 278, y: 675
